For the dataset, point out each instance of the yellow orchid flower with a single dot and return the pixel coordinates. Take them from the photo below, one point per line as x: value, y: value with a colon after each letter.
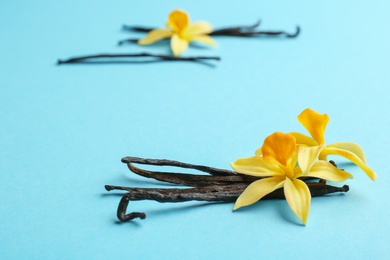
x: 315, y: 123
x: 181, y: 32
x: 277, y: 168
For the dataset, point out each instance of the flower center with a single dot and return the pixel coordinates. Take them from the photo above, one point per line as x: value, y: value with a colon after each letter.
x: 288, y: 171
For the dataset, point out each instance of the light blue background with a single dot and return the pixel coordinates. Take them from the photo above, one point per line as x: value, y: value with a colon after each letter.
x: 64, y: 129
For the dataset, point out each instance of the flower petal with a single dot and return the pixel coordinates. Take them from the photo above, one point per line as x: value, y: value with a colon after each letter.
x: 257, y: 190
x: 259, y: 151
x: 352, y: 147
x: 303, y: 139
x: 280, y: 147
x: 178, y: 45
x: 257, y: 166
x: 315, y: 123
x: 298, y: 198
x: 178, y: 20
x: 204, y: 39
x: 307, y: 157
x: 350, y: 156
x: 155, y: 35
x: 198, y: 28
x: 325, y: 170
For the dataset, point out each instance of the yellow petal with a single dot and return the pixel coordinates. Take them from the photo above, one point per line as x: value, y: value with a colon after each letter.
x: 280, y: 147
x: 307, y: 156
x: 256, y: 166
x: 178, y: 45
x: 198, y: 28
x: 303, y: 139
x: 315, y: 123
x: 204, y: 39
x: 257, y: 190
x: 298, y: 198
x: 178, y: 20
x: 325, y: 170
x: 352, y: 147
x: 155, y: 35
x: 259, y: 151
x: 350, y: 156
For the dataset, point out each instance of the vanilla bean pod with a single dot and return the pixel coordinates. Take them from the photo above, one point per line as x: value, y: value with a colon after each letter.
x: 267, y: 33
x: 221, y: 185
x: 194, y: 180
x: 228, y: 193
x: 221, y: 31
x: 89, y: 58
x: 212, y: 193
x: 239, y: 31
x: 234, y: 30
x: 164, y: 162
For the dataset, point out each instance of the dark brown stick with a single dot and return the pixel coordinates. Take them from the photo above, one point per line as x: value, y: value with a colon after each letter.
x: 228, y: 193
x: 221, y: 185
x: 121, y: 212
x: 268, y: 33
x: 228, y: 31
x: 250, y: 33
x: 240, y: 31
x: 164, y: 162
x: 194, y: 180
x: 87, y: 58
x: 234, y: 30
x: 220, y: 31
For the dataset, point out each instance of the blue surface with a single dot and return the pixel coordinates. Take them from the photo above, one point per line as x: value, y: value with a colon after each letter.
x: 64, y: 129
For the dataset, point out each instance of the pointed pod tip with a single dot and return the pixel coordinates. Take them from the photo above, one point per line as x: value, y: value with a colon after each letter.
x: 124, y: 160
x: 345, y: 188
x: 108, y: 187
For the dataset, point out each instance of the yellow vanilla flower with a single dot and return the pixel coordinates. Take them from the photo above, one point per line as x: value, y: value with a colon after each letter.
x: 181, y: 32
x: 315, y: 123
x: 277, y: 168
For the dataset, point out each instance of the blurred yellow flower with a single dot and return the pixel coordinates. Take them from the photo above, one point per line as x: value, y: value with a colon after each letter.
x: 181, y: 32
x: 315, y: 123
x: 277, y: 168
